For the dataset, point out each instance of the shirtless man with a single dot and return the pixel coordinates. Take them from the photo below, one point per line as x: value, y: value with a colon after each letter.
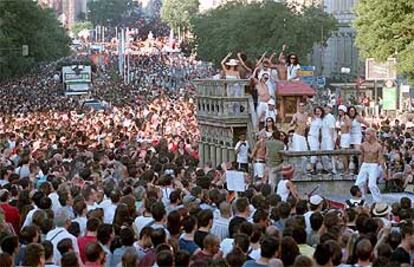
x: 372, y: 162
x: 345, y: 123
x: 262, y: 91
x: 299, y: 121
x: 259, y: 157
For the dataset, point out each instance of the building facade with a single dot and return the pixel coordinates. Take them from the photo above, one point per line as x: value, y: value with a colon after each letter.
x: 340, y: 50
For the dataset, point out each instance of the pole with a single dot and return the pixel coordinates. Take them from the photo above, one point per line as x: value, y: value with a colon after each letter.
x: 103, y: 34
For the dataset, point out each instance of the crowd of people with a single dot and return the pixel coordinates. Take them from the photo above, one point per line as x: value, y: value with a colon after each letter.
x: 123, y: 186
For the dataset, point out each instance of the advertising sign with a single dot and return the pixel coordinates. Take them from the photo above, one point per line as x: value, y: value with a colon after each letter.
x: 389, y: 98
x: 375, y: 71
x: 307, y: 74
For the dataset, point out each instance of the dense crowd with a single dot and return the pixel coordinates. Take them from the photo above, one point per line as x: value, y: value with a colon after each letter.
x: 123, y: 187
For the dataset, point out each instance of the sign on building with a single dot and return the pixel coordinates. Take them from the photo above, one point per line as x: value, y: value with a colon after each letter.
x: 307, y: 74
x: 375, y: 71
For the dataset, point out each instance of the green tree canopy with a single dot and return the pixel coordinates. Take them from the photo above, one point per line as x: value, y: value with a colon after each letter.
x: 259, y: 27
x: 80, y: 26
x: 385, y: 28
x: 177, y: 13
x: 23, y: 22
x: 114, y: 12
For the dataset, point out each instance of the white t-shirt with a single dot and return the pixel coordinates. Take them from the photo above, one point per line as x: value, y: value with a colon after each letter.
x: 82, y: 224
x: 328, y: 123
x: 141, y: 221
x: 242, y: 156
x: 55, y: 236
x: 270, y: 114
x: 292, y: 71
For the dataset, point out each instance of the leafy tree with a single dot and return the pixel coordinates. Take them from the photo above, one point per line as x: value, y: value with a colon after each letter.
x: 385, y: 29
x: 80, y: 26
x: 114, y: 12
x: 177, y: 13
x: 258, y: 27
x: 23, y: 22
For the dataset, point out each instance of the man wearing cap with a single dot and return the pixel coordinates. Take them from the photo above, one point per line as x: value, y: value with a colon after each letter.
x: 328, y: 137
x: 345, y: 123
x: 270, y: 111
x: 372, y: 161
x: 315, y: 205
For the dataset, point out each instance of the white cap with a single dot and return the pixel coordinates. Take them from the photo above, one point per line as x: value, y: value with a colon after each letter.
x: 271, y: 102
x: 343, y: 108
x: 316, y: 200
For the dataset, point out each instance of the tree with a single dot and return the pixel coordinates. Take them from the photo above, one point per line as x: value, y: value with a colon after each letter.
x: 259, y: 27
x: 80, y: 26
x: 114, y: 12
x: 385, y: 29
x: 24, y: 22
x: 177, y: 13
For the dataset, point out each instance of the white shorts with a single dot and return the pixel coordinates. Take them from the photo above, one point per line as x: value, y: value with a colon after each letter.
x: 261, y: 109
x: 345, y: 140
x: 356, y: 139
x: 299, y: 143
x: 259, y: 169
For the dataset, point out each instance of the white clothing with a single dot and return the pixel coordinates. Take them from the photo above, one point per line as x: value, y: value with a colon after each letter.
x: 141, y: 221
x: 282, y: 190
x: 82, y: 224
x: 23, y: 171
x: 313, y: 136
x: 345, y: 140
x: 299, y: 143
x: 328, y: 124
x: 261, y: 109
x: 226, y: 246
x: 29, y: 217
x: 109, y: 209
x: 55, y: 236
x: 220, y: 228
x: 255, y: 254
x: 270, y: 114
x: 371, y: 172
x: 356, y: 133
x: 54, y: 197
x: 243, y: 154
x: 92, y: 207
x: 307, y: 216
x: 259, y: 169
x: 292, y: 71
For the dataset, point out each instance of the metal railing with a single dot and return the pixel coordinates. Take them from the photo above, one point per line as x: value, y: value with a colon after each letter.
x: 329, y: 164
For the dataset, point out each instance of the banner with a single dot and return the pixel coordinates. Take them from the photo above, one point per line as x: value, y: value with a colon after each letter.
x: 389, y: 98
x: 380, y: 71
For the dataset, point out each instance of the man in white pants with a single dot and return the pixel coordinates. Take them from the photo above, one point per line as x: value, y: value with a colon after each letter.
x: 372, y: 160
x: 328, y: 137
x: 345, y: 124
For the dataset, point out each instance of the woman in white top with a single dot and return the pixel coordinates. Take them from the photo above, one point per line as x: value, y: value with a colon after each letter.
x: 356, y: 129
x: 293, y: 67
x: 315, y: 133
x: 285, y: 187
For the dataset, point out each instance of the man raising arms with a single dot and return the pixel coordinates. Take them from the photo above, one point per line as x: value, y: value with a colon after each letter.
x: 372, y: 160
